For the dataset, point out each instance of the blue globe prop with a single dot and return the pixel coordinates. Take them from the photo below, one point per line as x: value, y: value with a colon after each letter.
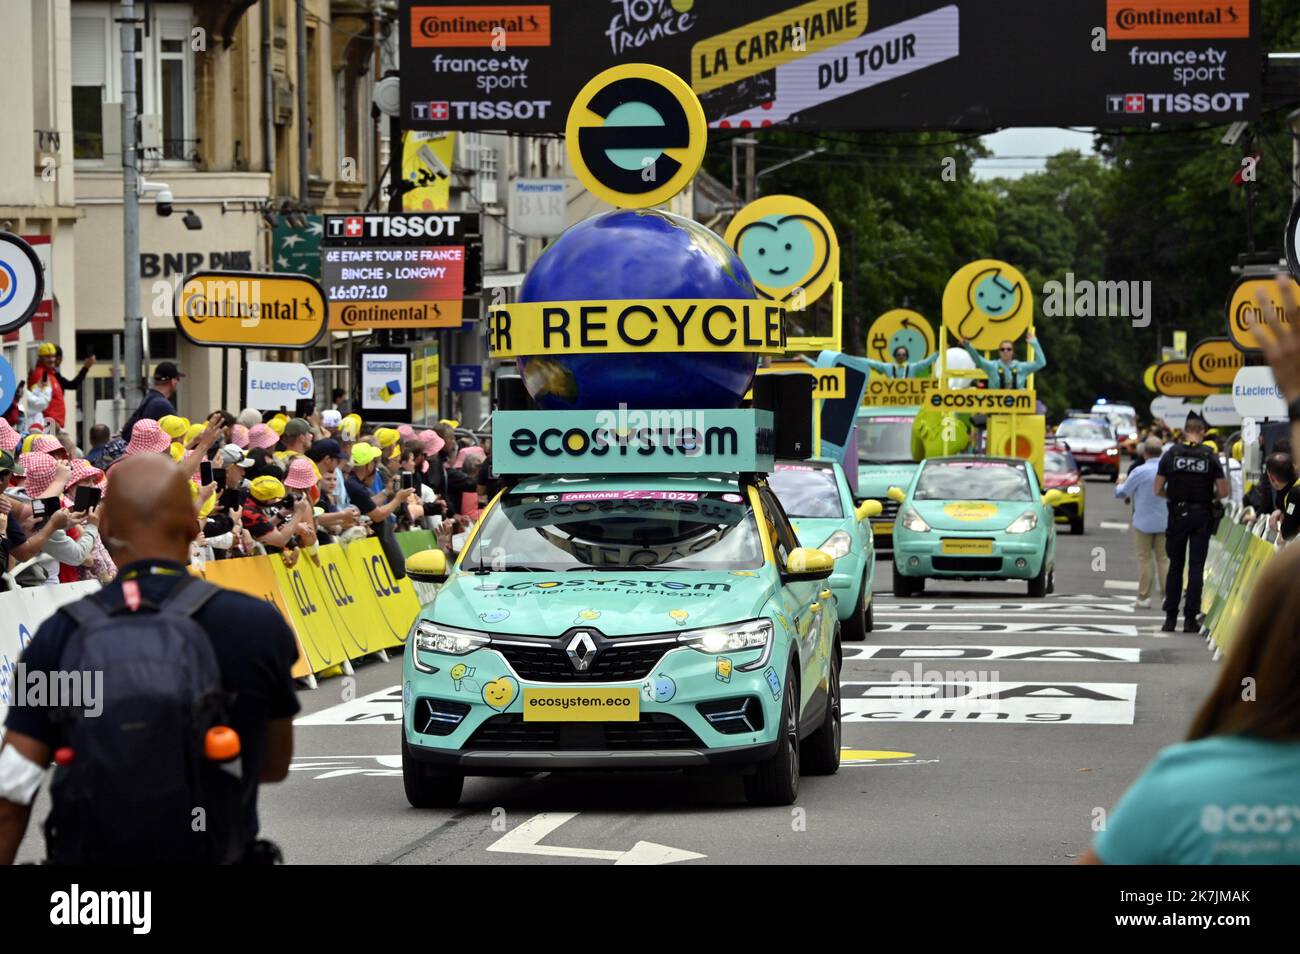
x: 628, y: 255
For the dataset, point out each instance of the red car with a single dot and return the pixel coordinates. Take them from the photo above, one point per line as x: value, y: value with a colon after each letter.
x: 1061, y: 472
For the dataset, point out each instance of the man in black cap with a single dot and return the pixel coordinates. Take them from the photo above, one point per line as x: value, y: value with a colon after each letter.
x: 1191, y: 478
x: 157, y: 403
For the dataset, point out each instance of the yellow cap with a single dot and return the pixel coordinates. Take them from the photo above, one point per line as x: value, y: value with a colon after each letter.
x: 177, y: 450
x: 46, y: 349
x: 363, y: 454
x: 387, y: 436
x: 27, y: 442
x: 277, y: 424
x: 266, y: 489
x: 449, y: 422
x: 1237, y: 450
x: 193, y: 431
x: 174, y: 426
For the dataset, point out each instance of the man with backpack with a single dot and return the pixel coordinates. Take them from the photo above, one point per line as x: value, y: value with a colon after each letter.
x: 195, y: 707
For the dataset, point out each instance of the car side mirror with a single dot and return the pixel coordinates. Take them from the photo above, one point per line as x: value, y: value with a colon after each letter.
x: 1054, y: 498
x: 808, y: 563
x: 869, y: 508
x: 427, y: 566
x: 896, y: 494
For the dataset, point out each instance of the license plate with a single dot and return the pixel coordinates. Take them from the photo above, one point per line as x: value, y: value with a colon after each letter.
x: 965, y: 547
x: 885, y: 528
x: 582, y: 705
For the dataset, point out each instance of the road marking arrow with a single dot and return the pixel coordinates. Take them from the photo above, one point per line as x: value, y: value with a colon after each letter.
x: 523, y: 840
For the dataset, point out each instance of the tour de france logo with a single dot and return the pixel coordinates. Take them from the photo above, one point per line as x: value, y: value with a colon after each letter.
x: 636, y: 135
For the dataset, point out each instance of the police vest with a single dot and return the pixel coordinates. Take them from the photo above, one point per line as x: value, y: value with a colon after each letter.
x: 1190, y: 474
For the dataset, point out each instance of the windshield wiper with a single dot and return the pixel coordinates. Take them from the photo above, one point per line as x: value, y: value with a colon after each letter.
x: 483, y: 570
x: 574, y: 569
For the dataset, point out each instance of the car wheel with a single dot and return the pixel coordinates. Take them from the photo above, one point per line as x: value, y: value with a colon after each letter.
x: 1038, y: 585
x: 1051, y: 581
x: 424, y: 789
x: 902, y: 584
x: 1114, y: 477
x: 858, y: 624
x: 821, y: 753
x: 776, y: 780
x: 869, y: 623
x: 1076, y: 525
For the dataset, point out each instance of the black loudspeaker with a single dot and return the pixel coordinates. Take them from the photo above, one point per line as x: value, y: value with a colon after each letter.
x: 512, y: 395
x: 789, y: 398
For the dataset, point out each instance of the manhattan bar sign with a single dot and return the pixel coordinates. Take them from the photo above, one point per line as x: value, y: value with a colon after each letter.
x: 250, y: 310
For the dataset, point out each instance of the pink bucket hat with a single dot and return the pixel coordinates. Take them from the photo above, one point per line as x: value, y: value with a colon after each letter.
x: 83, y: 472
x: 40, y: 472
x: 148, y: 437
x: 9, y: 438
x: 432, y: 442
x: 300, y: 475
x: 239, y: 435
x: 261, y: 436
x: 48, y: 445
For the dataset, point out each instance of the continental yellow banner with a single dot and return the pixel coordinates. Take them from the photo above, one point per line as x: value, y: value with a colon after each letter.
x: 898, y: 392
x: 250, y: 309
x: 984, y: 401
x: 1174, y: 379
x: 362, y: 316
x: 427, y: 158
x: 767, y: 43
x: 636, y: 327
x: 1243, y: 310
x: 1215, y: 362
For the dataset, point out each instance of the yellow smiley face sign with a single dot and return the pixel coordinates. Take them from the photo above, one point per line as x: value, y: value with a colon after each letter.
x: 635, y: 135
x: 788, y: 245
x: 988, y: 302
x: 970, y: 510
x: 900, y: 328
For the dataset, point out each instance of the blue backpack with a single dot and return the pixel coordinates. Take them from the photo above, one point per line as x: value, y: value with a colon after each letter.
x: 137, y: 787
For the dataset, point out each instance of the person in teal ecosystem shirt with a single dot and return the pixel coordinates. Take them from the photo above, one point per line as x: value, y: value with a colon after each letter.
x: 1007, y: 372
x: 1230, y: 794
x: 902, y: 368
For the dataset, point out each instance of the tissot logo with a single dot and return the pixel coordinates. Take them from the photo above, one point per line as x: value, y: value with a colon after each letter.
x: 393, y: 226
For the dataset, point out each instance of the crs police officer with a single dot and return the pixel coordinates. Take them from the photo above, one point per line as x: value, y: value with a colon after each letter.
x: 1191, y: 478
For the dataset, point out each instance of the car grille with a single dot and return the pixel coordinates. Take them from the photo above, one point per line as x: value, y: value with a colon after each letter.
x: 551, y: 663
x: 511, y: 733
x: 952, y: 564
x: 889, y: 508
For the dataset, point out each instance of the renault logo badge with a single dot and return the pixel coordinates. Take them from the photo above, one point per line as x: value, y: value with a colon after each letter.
x: 581, y: 650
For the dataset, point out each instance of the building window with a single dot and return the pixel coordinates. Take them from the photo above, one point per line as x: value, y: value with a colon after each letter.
x: 164, y: 80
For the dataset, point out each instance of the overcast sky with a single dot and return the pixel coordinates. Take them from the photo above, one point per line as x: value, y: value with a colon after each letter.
x: 1011, y: 146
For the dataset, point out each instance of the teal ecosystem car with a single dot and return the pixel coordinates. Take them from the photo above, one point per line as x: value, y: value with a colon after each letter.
x: 815, y: 495
x: 884, y: 460
x: 624, y: 622
x: 974, y: 518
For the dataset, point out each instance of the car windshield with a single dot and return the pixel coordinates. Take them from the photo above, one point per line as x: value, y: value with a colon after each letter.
x: 1058, y: 462
x: 972, y: 480
x: 1085, y: 429
x: 617, y: 529
x: 806, y: 491
x: 885, y: 440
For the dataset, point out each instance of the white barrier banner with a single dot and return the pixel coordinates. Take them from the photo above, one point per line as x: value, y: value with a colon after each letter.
x: 21, y: 614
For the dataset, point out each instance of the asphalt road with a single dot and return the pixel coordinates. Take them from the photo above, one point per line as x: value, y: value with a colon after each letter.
x: 1094, y: 691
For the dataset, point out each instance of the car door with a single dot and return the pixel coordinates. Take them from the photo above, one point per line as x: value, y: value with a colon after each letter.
x: 803, y: 603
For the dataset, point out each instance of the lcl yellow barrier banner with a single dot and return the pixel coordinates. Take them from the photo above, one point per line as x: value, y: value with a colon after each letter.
x: 353, y: 602
x: 308, y: 614
x: 1233, y: 565
x: 254, y: 576
x: 397, y: 601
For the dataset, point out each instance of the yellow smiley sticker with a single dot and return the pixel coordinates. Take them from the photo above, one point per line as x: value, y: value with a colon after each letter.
x: 970, y: 510
x: 788, y: 245
x: 988, y: 302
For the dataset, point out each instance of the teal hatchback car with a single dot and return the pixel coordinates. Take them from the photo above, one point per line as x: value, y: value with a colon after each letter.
x: 974, y: 518
x: 816, y: 497
x: 615, y: 622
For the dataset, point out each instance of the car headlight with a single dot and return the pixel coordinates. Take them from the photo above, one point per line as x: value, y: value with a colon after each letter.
x: 431, y: 637
x: 912, y: 521
x: 1112, y: 451
x: 1023, y: 523
x: 733, y: 638
x: 838, y: 544
x: 1074, y: 489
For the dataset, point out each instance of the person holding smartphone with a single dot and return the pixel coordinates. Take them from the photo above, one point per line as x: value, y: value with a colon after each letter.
x: 68, y: 548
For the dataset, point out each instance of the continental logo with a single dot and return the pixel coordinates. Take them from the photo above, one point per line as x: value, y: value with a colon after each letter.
x: 987, y: 401
x: 1215, y: 362
x: 636, y: 327
x: 480, y: 25
x: 242, y: 309
x: 642, y: 441
x: 1175, y: 379
x: 395, y: 314
x: 1244, y: 313
x: 1177, y: 19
